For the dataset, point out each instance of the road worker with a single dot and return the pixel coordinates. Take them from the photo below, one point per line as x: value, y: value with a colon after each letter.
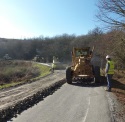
x: 53, y: 67
x: 109, y: 71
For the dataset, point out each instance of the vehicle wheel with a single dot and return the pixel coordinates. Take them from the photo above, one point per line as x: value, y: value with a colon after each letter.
x: 97, y: 74
x: 69, y: 75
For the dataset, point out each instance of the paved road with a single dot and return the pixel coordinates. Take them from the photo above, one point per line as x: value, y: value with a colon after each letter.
x: 70, y: 103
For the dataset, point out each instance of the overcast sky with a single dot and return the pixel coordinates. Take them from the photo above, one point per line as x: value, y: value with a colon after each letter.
x: 34, y: 18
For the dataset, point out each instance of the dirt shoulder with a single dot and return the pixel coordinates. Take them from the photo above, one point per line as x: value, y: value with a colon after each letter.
x: 119, y: 91
x: 9, y: 97
x: 117, y: 99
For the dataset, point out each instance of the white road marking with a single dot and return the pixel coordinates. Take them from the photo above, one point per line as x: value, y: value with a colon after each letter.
x: 87, y: 111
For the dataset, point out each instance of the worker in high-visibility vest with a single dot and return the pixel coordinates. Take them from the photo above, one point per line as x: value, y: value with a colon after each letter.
x: 109, y: 71
x: 53, y: 67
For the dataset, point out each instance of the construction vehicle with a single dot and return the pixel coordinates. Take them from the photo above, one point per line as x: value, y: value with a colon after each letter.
x: 38, y: 58
x: 7, y: 57
x: 81, y: 67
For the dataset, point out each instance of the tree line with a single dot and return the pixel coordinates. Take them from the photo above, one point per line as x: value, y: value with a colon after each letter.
x: 61, y: 46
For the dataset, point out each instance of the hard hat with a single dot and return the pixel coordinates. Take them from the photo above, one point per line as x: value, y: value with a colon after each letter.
x: 108, y: 56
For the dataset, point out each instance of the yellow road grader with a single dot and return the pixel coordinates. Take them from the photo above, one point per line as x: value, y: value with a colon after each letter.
x: 81, y: 68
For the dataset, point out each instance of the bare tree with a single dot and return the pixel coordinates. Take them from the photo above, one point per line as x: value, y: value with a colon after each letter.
x: 112, y: 12
x: 118, y: 48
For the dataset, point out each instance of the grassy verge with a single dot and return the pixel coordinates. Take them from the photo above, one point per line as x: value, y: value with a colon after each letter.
x: 44, y: 70
x: 19, y: 72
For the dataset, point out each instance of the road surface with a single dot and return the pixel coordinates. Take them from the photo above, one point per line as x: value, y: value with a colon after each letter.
x: 70, y: 103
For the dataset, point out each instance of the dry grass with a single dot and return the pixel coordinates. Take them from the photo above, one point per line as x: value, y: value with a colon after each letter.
x: 119, y: 85
x: 12, y: 72
x: 119, y: 90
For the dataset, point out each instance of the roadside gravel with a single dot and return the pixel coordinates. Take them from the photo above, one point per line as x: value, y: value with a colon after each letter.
x: 12, y: 96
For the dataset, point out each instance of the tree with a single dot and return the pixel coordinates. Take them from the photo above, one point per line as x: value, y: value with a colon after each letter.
x: 112, y: 12
x: 118, y: 48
